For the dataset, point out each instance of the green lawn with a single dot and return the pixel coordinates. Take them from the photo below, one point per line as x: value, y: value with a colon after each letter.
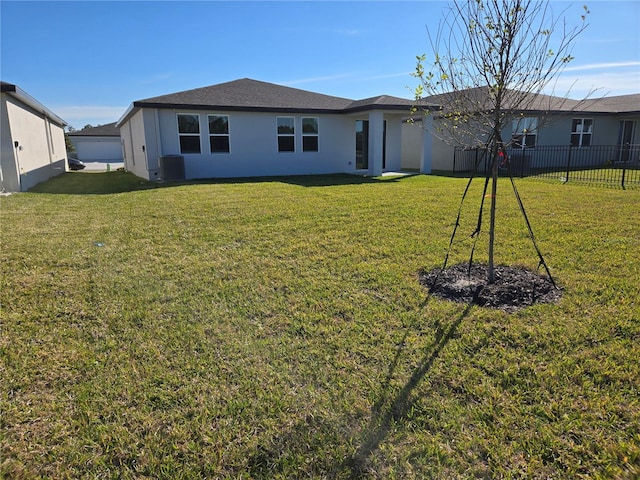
x: 277, y: 329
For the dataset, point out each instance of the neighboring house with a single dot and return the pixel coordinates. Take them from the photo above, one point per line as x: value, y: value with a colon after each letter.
x: 250, y: 128
x: 597, y: 131
x: 101, y: 143
x: 32, y: 141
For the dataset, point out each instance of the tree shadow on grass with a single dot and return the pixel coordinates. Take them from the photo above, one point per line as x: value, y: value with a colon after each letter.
x: 383, y: 417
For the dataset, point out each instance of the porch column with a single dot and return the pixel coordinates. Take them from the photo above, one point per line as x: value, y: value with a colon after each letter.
x: 376, y: 133
x: 427, y: 144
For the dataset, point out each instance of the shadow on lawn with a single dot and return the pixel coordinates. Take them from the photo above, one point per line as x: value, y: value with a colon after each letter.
x: 386, y: 411
x: 104, y: 183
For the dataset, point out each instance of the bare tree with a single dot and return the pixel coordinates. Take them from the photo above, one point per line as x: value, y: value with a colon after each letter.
x: 492, y: 60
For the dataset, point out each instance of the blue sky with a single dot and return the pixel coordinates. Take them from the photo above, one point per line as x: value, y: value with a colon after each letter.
x: 88, y: 60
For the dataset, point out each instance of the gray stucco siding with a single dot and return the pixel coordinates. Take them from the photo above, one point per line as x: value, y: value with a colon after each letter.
x: 253, y: 145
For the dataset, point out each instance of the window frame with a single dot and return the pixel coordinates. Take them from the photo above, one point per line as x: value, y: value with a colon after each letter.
x: 188, y: 134
x: 315, y: 134
x: 581, y: 132
x: 291, y: 135
x: 219, y: 135
x: 519, y: 131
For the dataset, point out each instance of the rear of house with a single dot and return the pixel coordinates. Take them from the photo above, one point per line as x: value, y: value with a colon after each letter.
x: 247, y: 128
x: 557, y: 132
x: 32, y: 141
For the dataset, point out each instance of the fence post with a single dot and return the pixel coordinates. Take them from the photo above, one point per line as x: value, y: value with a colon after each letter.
x: 475, y: 161
x: 624, y: 165
x: 566, y: 180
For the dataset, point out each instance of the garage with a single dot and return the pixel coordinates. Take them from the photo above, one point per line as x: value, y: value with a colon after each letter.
x: 100, y: 143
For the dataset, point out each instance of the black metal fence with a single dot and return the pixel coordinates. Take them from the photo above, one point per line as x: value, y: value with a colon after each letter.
x: 615, y: 165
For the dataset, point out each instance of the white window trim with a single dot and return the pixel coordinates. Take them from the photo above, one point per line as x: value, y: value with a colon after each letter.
x: 188, y: 134
x: 520, y: 131
x: 293, y: 135
x: 582, y: 133
x: 317, y: 135
x: 228, y: 134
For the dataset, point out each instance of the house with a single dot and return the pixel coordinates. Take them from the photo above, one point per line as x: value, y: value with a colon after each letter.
x: 31, y: 140
x: 547, y: 129
x: 101, y: 143
x: 248, y: 128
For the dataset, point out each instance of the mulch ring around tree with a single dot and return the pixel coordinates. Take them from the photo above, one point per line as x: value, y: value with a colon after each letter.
x: 514, y: 287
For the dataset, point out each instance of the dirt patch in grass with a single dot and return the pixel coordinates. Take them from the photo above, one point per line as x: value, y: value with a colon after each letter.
x: 514, y: 287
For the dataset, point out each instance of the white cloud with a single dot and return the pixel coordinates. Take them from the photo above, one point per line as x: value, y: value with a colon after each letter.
x: 602, y: 66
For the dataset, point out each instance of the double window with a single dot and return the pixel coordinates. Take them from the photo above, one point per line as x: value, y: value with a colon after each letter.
x: 189, y: 132
x: 524, y: 132
x: 219, y: 133
x: 581, y: 131
x: 286, y: 132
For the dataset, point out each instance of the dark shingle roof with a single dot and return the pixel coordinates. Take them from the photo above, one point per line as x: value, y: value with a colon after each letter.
x: 248, y: 95
x: 108, y: 130
x: 383, y: 102
x: 252, y: 95
x: 478, y: 99
x: 617, y: 104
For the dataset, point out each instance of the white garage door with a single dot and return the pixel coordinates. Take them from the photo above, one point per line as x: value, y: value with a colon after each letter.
x: 99, y: 149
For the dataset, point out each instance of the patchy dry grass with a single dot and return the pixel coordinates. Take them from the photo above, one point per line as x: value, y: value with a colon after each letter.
x: 276, y: 329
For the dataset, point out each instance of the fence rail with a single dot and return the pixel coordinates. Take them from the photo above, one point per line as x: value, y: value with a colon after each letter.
x: 617, y: 165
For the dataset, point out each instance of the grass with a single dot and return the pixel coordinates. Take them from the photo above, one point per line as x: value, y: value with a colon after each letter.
x: 276, y: 329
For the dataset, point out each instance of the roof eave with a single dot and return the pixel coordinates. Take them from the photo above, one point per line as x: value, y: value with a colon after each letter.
x: 231, y: 108
x: 28, y: 100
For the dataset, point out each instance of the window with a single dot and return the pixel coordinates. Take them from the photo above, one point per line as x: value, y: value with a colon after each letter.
x: 581, y: 130
x: 525, y: 132
x: 219, y: 133
x: 310, y: 134
x: 286, y: 132
x: 189, y: 132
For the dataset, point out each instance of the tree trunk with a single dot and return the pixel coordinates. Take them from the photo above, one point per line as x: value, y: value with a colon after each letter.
x: 492, y: 223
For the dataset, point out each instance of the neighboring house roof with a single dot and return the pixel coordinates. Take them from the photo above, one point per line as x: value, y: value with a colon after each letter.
x: 108, y: 130
x: 27, y: 99
x: 623, y: 104
x: 478, y: 99
x: 253, y: 95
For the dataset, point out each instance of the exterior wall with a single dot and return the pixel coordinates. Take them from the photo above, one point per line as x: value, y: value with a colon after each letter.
x: 557, y: 130
x: 253, y: 146
x: 9, y: 176
x: 97, y: 148
x: 411, y: 140
x: 394, y: 143
x: 41, y: 152
x: 132, y: 134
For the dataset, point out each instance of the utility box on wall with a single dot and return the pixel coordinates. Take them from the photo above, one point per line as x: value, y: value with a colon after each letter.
x: 171, y: 168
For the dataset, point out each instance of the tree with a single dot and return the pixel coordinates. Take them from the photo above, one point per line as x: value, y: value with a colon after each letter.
x: 492, y: 61
x: 68, y: 144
